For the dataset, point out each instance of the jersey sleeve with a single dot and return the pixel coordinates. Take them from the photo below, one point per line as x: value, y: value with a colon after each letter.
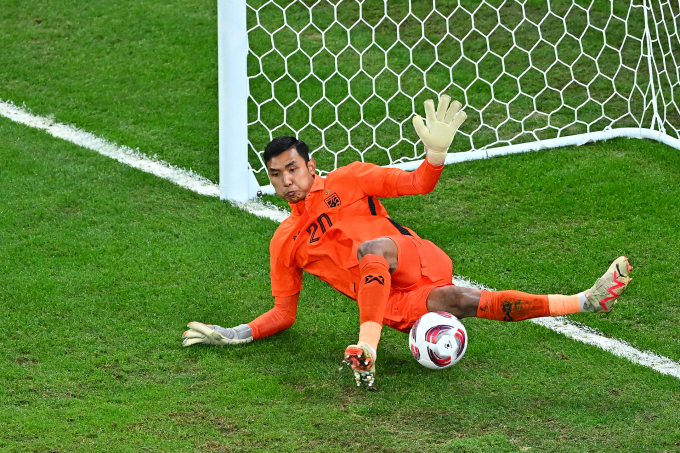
x: 286, y: 280
x: 279, y: 318
x: 393, y: 182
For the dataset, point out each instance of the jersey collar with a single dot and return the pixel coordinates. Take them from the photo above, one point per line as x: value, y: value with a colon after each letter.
x: 318, y: 184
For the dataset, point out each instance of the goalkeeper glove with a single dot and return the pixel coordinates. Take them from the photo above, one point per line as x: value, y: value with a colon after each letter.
x: 441, y: 127
x: 200, y: 333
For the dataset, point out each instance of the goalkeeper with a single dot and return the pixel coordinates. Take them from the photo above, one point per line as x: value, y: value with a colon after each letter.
x: 341, y: 233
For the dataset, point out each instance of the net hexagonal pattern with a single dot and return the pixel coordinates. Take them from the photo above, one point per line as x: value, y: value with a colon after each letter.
x: 347, y: 76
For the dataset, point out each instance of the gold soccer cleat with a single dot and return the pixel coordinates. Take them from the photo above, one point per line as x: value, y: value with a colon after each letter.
x: 602, y: 296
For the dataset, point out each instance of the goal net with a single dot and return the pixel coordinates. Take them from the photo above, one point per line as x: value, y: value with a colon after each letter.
x: 347, y: 76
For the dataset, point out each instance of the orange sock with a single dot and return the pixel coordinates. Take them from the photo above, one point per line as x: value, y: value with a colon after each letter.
x: 517, y: 306
x: 512, y: 306
x: 374, y: 289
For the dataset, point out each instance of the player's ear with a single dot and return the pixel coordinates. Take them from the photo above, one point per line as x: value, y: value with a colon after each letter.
x: 311, y: 166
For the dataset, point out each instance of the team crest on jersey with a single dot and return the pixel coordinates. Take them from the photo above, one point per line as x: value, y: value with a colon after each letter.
x: 333, y: 201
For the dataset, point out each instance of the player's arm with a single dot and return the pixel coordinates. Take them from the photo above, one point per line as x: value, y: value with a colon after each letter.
x: 421, y: 181
x: 286, y: 286
x: 279, y: 318
x: 378, y: 181
x: 436, y: 136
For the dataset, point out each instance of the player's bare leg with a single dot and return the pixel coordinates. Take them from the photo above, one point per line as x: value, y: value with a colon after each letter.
x: 516, y: 306
x: 460, y: 301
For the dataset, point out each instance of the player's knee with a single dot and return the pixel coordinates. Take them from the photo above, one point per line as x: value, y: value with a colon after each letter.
x: 373, y: 247
x: 459, y: 301
x: 384, y: 247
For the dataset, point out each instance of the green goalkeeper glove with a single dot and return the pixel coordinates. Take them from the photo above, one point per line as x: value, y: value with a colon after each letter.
x: 441, y: 127
x: 200, y: 333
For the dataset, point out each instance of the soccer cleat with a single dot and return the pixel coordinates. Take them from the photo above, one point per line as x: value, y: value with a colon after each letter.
x: 361, y: 358
x: 602, y: 296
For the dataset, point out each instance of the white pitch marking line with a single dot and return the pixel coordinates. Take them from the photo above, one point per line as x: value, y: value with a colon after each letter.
x: 619, y: 347
x: 203, y: 186
x: 132, y: 157
x: 588, y: 335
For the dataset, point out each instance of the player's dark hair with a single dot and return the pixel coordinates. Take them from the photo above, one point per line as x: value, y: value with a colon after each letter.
x: 284, y: 143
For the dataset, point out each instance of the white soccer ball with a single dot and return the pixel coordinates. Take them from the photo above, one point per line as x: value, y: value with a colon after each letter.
x: 438, y: 340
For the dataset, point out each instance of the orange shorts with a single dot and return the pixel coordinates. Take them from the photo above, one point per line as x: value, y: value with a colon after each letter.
x: 422, y: 267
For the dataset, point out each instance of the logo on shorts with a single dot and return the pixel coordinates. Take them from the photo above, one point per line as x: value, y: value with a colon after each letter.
x: 380, y: 279
x: 333, y: 201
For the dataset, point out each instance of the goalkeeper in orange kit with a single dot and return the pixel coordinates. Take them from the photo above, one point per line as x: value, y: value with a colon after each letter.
x: 340, y: 232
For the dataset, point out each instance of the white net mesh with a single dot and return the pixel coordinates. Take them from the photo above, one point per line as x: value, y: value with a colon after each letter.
x: 664, y: 41
x: 346, y: 76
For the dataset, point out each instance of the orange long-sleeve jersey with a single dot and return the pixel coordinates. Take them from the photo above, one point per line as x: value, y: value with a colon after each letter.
x: 324, y: 231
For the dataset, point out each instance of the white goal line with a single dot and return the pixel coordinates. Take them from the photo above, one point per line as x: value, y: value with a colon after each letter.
x: 194, y: 182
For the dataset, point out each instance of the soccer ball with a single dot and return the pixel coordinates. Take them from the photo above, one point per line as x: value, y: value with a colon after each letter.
x: 438, y: 340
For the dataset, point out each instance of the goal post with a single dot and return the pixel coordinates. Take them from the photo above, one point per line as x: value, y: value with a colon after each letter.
x: 346, y: 76
x: 237, y: 182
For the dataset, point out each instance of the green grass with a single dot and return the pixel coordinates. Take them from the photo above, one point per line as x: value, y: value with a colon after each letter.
x: 143, y: 74
x: 103, y: 265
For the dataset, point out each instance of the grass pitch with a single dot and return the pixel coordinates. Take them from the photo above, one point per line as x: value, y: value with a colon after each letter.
x: 102, y: 266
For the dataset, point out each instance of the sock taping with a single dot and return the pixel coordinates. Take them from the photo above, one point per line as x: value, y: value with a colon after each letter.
x: 369, y: 333
x: 563, y: 305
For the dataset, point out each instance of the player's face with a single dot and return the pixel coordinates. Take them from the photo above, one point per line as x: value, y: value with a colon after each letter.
x: 289, y: 175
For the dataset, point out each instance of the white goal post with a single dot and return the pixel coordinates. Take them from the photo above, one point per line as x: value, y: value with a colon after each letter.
x: 347, y: 75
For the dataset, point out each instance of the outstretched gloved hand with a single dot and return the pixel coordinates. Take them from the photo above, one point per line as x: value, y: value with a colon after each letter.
x: 441, y: 127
